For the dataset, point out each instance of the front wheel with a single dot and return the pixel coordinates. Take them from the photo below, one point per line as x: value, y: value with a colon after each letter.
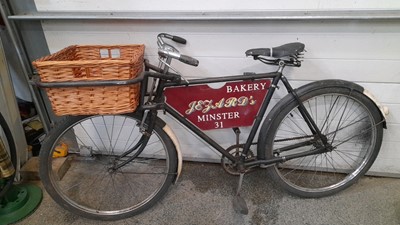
x: 350, y: 122
x: 106, y: 175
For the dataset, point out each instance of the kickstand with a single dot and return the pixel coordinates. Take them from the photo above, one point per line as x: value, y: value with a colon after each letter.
x: 239, y: 204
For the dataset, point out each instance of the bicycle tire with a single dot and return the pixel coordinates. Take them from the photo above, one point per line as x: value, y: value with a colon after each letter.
x: 90, y: 187
x: 352, y: 124
x: 8, y: 141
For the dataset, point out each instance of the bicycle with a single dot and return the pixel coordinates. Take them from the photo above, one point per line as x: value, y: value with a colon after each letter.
x: 316, y: 141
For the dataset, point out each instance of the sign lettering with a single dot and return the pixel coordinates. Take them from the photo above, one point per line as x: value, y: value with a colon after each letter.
x: 235, y: 104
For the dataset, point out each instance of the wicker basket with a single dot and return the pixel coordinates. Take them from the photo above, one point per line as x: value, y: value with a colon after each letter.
x: 92, y: 63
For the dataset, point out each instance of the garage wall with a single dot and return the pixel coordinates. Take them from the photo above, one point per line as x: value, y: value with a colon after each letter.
x: 363, y: 51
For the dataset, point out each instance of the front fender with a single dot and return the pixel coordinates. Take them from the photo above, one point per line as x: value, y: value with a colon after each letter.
x: 174, y: 139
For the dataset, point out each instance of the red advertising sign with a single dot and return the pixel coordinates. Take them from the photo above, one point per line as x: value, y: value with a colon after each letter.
x: 235, y: 104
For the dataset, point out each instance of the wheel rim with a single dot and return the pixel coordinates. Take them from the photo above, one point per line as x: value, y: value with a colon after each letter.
x: 90, y: 184
x: 339, y: 117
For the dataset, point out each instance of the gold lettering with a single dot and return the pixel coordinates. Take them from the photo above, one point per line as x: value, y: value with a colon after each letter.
x: 231, y: 102
x: 199, y: 105
x: 191, y: 108
x: 206, y: 106
x: 243, y: 101
x: 252, y: 101
x: 219, y: 104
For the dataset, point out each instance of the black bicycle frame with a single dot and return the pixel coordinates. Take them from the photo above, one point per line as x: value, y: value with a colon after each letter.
x: 275, y: 76
x: 167, y: 79
x: 275, y: 79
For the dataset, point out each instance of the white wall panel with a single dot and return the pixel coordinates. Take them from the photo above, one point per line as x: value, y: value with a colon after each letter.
x: 364, y: 51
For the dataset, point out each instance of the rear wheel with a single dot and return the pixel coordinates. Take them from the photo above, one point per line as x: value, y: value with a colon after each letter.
x: 353, y: 127
x: 98, y: 178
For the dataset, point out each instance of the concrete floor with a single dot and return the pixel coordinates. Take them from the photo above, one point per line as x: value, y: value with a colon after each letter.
x: 204, y: 194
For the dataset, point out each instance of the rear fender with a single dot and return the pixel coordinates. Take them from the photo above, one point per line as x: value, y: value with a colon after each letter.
x: 383, y: 109
x: 307, y: 88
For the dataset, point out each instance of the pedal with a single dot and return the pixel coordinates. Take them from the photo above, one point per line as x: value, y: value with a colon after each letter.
x: 239, y: 204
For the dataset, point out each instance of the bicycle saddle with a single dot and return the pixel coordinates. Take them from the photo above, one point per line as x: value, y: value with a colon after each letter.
x: 290, y: 49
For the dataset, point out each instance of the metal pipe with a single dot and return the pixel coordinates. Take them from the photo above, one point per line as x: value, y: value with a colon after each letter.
x: 35, y: 81
x: 16, y: 42
x: 227, y: 79
x: 216, y: 15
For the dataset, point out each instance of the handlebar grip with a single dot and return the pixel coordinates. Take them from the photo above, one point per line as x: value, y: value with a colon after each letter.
x: 178, y: 39
x: 189, y: 60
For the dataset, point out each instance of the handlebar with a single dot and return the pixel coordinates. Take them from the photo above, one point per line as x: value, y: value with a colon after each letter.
x: 171, y: 37
x: 166, y: 50
x: 176, y: 55
x: 179, y: 39
x: 189, y: 60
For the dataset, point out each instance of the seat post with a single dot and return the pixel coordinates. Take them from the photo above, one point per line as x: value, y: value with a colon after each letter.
x: 282, y: 65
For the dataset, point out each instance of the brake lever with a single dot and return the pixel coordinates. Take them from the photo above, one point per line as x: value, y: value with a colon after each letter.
x: 173, y: 69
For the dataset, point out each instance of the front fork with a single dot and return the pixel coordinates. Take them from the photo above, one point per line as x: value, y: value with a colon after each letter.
x: 142, y: 143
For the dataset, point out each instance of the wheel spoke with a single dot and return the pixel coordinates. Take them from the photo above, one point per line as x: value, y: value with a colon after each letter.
x: 90, y: 185
x: 348, y: 124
